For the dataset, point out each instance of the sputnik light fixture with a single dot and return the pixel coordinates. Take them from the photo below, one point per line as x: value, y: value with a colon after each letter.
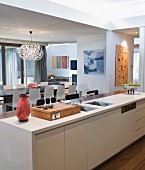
x: 31, y: 51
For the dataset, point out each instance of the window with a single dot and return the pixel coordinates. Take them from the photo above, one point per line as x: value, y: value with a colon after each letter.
x: 13, y: 65
x: 29, y: 71
x: 14, y: 70
x: 136, y: 67
x: 1, y: 82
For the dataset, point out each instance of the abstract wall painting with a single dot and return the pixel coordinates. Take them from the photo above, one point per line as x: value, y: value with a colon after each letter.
x: 121, y: 70
x: 60, y: 62
x: 64, y: 61
x: 94, y: 62
x: 53, y: 61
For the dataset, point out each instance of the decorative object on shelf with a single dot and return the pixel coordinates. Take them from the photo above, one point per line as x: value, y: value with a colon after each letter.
x: 33, y: 85
x: 94, y: 62
x: 23, y: 108
x: 51, y: 106
x: 130, y: 87
x: 121, y: 72
x: 31, y: 51
x: 51, y: 75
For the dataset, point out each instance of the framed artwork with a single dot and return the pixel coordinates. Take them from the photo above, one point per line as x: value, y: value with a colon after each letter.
x: 121, y: 67
x: 64, y: 62
x: 60, y: 62
x: 94, y: 62
x: 53, y: 61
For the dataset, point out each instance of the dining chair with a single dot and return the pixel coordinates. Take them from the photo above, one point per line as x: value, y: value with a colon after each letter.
x: 1, y: 105
x: 44, y: 83
x: 15, y: 99
x: 72, y: 89
x: 20, y: 86
x: 1, y: 109
x: 48, y: 93
x: 72, y: 96
x: 7, y: 87
x: 60, y: 94
x: 92, y: 92
x: 66, y: 84
x: 34, y: 95
x: 1, y: 100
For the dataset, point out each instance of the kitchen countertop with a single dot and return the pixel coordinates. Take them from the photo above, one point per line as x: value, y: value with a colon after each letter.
x: 36, y: 125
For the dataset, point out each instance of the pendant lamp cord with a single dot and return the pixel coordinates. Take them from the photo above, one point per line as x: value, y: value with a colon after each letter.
x: 30, y: 36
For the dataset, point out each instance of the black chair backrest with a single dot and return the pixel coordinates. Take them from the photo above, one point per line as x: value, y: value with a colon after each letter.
x: 92, y: 91
x: 41, y: 101
x: 72, y: 96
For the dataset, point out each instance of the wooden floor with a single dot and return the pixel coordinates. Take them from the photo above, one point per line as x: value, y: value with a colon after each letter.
x: 132, y: 158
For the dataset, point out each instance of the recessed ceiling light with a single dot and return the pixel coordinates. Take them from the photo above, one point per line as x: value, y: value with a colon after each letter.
x: 5, y: 27
x: 60, y: 35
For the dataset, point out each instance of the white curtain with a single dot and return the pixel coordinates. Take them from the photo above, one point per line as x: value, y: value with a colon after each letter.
x: 1, y: 82
x: 29, y: 71
x: 136, y: 68
x: 11, y: 66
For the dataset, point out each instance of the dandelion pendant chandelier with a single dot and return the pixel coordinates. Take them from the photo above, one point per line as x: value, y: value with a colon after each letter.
x: 31, y: 51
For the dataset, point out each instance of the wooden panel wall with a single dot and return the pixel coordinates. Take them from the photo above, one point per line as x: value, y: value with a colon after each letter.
x: 121, y: 70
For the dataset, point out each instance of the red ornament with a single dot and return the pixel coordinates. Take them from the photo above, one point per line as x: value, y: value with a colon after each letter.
x: 23, y: 108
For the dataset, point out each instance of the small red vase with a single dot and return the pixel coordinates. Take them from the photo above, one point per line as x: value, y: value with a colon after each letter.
x: 23, y: 108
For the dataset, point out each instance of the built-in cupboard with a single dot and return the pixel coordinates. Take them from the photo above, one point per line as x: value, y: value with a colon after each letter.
x: 87, y: 143
x: 81, y: 145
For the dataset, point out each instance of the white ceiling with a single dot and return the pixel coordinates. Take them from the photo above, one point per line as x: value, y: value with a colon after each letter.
x: 130, y: 31
x: 16, y: 23
x: 117, y: 2
x: 96, y: 2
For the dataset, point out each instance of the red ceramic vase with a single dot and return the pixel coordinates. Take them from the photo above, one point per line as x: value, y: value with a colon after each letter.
x: 23, y: 108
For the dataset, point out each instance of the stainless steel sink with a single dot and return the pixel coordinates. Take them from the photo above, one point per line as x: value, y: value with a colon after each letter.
x: 97, y: 103
x: 87, y: 108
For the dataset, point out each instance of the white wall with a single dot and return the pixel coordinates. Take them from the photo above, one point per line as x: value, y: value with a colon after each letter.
x: 105, y: 82
x: 114, y: 39
x: 93, y: 82
x: 73, y: 56
x: 62, y: 50
x: 142, y: 58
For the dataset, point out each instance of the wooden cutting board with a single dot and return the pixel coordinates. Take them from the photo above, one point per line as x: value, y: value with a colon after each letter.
x: 58, y: 111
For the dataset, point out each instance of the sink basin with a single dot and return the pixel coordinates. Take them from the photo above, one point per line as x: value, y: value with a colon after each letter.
x: 87, y: 108
x: 99, y: 103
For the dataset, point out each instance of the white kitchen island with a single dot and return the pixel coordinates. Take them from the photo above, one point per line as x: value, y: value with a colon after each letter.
x: 78, y: 142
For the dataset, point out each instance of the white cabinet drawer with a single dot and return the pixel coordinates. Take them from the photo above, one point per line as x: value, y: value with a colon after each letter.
x: 140, y: 105
x: 139, y: 124
x: 140, y: 114
x: 139, y: 133
x: 49, y: 149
